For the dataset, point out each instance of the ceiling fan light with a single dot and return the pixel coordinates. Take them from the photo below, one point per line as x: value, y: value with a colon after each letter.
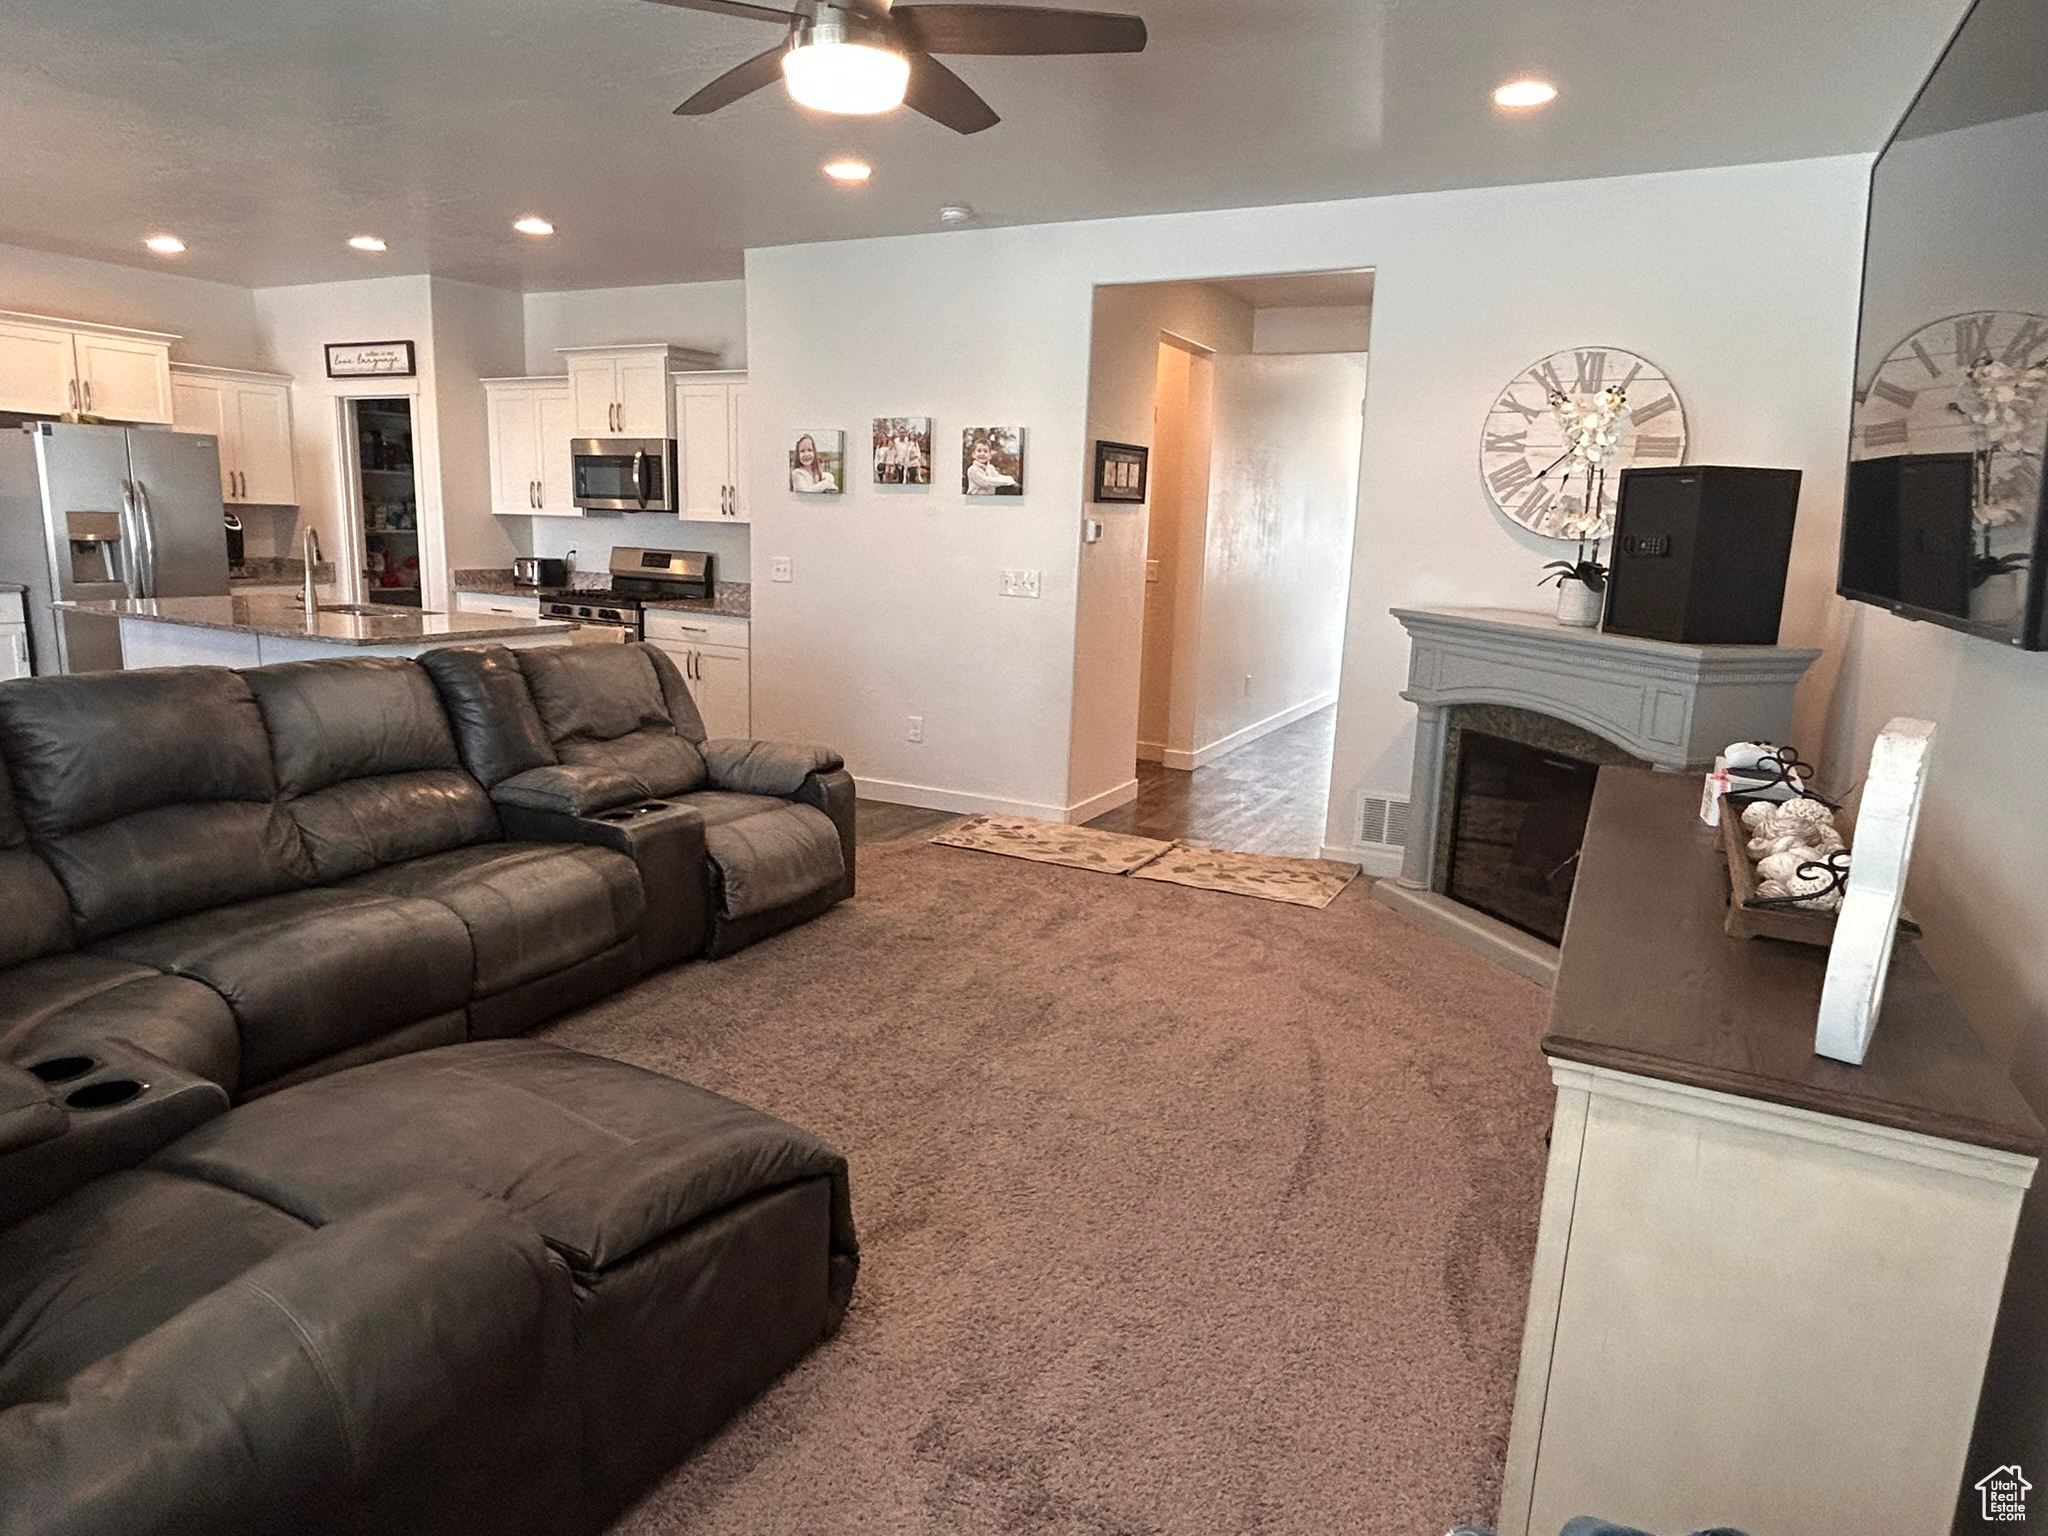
x: 848, y: 79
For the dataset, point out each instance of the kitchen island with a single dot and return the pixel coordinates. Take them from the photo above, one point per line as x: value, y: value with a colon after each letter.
x: 253, y: 629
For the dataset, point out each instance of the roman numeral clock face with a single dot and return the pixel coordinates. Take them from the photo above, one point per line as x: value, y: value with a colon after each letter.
x: 1525, y: 454
x: 1912, y: 402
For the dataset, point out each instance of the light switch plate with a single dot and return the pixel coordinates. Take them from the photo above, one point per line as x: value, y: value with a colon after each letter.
x: 1020, y: 583
x: 778, y: 568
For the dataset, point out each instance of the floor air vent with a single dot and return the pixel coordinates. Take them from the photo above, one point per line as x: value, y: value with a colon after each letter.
x: 1383, y: 821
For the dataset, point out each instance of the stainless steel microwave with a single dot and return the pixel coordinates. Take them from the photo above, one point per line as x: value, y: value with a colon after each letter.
x: 624, y: 474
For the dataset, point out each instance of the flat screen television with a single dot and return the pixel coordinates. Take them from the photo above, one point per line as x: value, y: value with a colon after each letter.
x: 1942, y: 519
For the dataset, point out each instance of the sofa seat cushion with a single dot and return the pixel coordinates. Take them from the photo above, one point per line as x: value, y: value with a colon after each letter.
x: 602, y: 1158
x: 766, y: 852
x: 70, y: 1004
x: 531, y: 909
x: 311, y: 973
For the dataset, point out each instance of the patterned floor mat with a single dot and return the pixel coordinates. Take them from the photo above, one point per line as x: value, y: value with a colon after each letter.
x: 1050, y: 842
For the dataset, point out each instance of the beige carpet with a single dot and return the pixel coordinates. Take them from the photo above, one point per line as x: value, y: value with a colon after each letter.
x: 1269, y: 877
x: 1179, y: 1215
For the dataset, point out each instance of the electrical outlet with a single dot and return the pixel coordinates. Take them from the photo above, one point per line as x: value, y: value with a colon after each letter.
x: 1020, y: 583
x: 778, y: 568
x: 917, y: 727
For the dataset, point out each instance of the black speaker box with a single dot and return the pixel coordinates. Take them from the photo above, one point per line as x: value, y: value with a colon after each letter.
x: 1700, y: 553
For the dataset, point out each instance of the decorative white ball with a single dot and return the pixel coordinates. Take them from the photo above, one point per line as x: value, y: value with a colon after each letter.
x: 1799, y: 815
x: 1771, y: 890
x: 1754, y: 813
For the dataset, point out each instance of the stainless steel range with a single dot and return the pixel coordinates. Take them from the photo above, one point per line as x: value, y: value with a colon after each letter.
x: 638, y: 576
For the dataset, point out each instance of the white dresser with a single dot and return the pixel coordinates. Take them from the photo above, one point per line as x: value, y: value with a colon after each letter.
x: 1765, y: 1283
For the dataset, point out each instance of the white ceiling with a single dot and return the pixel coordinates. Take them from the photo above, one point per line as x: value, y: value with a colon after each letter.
x: 1302, y: 290
x: 267, y: 131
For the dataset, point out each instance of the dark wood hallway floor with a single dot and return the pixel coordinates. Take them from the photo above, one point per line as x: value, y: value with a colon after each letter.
x: 1268, y: 797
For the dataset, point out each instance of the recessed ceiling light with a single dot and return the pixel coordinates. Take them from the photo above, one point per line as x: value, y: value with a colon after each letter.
x: 849, y: 170
x: 956, y: 213
x: 1525, y: 93
x: 165, y: 245
x: 533, y: 224
x: 366, y: 243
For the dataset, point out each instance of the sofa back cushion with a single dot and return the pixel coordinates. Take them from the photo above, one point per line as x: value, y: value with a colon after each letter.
x: 484, y: 693
x: 619, y: 707
x: 366, y: 763
x: 150, y: 794
x: 35, y: 914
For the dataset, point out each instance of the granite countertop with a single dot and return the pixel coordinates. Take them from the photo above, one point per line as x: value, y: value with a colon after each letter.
x: 731, y: 599
x: 277, y: 571
x: 281, y: 615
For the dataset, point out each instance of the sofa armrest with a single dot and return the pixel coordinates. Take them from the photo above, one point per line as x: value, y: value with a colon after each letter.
x: 569, y: 789
x: 765, y: 767
x: 833, y: 793
x: 666, y: 844
x: 401, y: 1369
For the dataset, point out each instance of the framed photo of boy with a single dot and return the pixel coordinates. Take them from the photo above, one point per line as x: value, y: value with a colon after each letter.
x: 1120, y: 471
x: 992, y: 461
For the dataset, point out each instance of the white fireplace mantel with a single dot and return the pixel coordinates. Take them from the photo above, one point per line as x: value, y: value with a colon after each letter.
x: 1673, y: 706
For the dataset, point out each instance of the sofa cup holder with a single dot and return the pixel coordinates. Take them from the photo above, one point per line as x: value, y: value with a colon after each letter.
x: 62, y: 1069
x: 632, y: 812
x: 107, y: 1093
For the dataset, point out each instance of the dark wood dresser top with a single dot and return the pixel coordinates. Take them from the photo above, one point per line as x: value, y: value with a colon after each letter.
x: 1648, y: 983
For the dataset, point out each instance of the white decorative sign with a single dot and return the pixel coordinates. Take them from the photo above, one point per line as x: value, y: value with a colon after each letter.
x: 370, y: 359
x: 1853, y: 994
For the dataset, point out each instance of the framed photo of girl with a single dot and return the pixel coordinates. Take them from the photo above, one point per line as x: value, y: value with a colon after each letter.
x: 817, y: 462
x: 1120, y: 471
x: 903, y: 450
x: 992, y: 461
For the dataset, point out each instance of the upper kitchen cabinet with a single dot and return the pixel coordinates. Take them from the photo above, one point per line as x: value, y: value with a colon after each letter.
x: 50, y: 367
x: 251, y: 414
x: 532, y: 422
x: 711, y: 445
x: 624, y: 391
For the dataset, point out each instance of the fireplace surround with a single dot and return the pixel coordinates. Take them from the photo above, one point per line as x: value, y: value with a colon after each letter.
x: 1597, y: 698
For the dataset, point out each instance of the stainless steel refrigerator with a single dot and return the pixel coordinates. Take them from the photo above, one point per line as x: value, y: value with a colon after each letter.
x: 91, y: 513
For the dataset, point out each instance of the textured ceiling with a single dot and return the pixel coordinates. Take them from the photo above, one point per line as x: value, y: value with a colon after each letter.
x: 265, y: 132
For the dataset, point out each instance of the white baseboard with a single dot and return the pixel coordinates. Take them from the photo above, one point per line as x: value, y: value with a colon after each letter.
x: 1102, y: 804
x: 927, y: 798
x: 1372, y: 860
x: 1201, y: 757
x: 1151, y: 751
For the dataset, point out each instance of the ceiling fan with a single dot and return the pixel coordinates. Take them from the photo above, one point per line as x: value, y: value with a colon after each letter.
x: 861, y: 57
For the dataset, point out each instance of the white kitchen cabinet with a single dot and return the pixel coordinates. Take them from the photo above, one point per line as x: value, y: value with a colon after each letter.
x: 531, y: 424
x: 712, y: 652
x: 251, y: 414
x: 511, y: 604
x: 711, y: 447
x: 50, y: 366
x: 624, y: 391
x: 13, y: 637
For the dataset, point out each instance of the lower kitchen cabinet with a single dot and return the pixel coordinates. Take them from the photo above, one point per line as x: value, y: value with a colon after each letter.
x: 712, y: 652
x: 13, y: 637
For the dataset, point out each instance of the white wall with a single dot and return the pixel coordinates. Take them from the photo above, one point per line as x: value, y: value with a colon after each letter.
x: 1335, y: 328
x: 1109, y: 647
x: 216, y: 321
x: 1978, y: 886
x: 478, y: 334
x: 1740, y: 281
x: 1283, y: 490
x: 706, y: 317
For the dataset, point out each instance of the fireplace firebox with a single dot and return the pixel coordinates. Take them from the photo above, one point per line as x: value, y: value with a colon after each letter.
x: 1517, y: 820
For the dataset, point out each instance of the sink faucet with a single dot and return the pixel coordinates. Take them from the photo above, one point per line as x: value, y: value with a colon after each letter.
x: 309, y: 556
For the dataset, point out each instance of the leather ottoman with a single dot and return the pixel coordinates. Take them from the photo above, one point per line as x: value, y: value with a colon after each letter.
x: 710, y: 1245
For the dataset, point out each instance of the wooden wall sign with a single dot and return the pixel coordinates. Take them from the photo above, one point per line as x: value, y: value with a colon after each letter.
x: 370, y: 360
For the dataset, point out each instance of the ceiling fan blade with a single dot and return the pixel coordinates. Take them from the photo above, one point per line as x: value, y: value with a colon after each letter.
x: 738, y: 8
x: 945, y: 98
x: 741, y: 80
x: 1015, y: 29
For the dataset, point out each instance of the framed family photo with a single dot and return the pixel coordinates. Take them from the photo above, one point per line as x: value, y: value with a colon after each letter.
x: 992, y: 461
x: 1120, y: 471
x: 817, y: 462
x: 903, y: 450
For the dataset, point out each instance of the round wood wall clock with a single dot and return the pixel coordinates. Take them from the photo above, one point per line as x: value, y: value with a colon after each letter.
x: 1914, y: 401
x: 1525, y: 451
